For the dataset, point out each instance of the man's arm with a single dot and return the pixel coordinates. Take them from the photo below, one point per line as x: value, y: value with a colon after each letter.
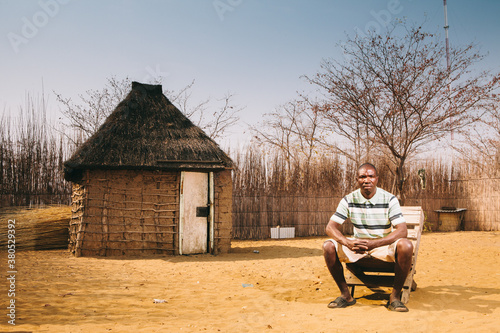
x: 334, y: 230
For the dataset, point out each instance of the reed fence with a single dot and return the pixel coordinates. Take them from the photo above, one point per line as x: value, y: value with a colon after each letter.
x: 32, y: 152
x: 269, y: 193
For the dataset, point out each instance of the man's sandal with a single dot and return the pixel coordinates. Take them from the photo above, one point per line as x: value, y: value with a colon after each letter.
x: 397, y: 306
x: 340, y: 302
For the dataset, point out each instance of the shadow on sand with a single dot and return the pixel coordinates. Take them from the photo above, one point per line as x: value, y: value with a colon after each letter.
x: 445, y: 298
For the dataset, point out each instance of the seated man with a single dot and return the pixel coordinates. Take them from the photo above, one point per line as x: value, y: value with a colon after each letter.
x: 372, y: 210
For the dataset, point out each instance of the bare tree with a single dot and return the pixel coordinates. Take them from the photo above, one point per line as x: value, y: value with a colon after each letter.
x: 223, y: 118
x: 480, y: 145
x: 354, y: 141
x: 302, y: 129
x: 395, y: 91
x: 97, y: 105
x: 294, y: 129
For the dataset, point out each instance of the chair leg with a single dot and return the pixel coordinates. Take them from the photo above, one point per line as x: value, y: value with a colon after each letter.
x: 352, y: 291
x: 405, y: 295
x: 413, y: 285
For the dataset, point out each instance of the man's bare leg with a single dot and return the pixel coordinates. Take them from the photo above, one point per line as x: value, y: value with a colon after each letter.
x: 404, y: 253
x: 336, y: 270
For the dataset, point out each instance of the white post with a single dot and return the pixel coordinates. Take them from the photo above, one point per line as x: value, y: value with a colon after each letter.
x: 181, y: 211
x: 211, y: 195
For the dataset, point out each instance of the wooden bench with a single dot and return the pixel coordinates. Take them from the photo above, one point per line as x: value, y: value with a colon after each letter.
x: 375, y: 273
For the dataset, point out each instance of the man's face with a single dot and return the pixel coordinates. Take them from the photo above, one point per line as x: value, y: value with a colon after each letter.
x: 367, y: 181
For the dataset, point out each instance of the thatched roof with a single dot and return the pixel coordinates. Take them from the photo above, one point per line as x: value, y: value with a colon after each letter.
x: 146, y: 131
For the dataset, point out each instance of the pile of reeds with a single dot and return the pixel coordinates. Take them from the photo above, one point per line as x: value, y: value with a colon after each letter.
x: 36, y: 228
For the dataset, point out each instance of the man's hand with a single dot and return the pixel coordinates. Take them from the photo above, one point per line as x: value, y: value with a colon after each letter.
x: 359, y: 246
x: 362, y: 245
x: 334, y: 230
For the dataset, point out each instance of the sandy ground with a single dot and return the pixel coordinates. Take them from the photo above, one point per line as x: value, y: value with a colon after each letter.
x: 283, y: 288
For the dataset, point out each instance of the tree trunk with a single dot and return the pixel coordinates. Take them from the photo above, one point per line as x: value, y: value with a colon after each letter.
x: 400, y: 180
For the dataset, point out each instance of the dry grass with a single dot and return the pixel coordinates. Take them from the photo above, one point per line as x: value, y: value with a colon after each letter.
x: 36, y: 229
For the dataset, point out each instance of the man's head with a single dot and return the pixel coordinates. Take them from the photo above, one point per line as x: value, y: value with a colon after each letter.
x: 367, y: 180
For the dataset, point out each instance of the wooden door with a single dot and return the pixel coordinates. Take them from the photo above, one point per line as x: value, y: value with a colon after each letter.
x: 195, y: 209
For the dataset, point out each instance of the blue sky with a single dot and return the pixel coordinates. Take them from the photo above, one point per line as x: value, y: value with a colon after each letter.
x: 256, y: 49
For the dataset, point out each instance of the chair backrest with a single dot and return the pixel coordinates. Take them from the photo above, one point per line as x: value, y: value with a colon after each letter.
x: 414, y: 216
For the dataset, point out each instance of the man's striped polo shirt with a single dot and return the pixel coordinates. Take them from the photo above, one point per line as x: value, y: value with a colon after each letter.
x: 371, y: 218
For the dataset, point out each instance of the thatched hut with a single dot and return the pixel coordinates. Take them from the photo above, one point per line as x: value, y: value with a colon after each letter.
x: 149, y: 181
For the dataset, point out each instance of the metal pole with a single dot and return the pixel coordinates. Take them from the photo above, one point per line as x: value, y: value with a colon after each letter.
x: 446, y: 26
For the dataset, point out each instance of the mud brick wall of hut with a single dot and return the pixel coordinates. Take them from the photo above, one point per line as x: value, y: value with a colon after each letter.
x: 134, y: 212
x: 117, y: 212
